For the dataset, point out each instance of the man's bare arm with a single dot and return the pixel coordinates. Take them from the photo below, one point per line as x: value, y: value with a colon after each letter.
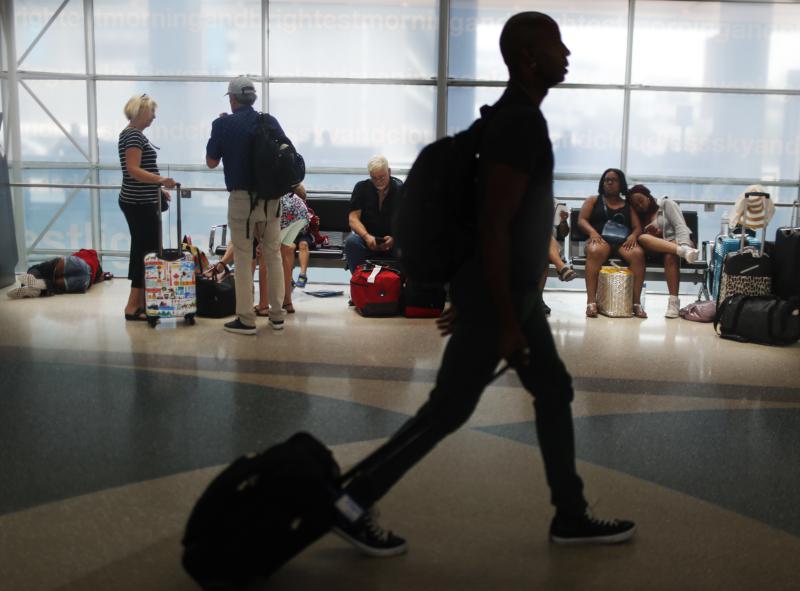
x: 354, y: 219
x: 505, y: 189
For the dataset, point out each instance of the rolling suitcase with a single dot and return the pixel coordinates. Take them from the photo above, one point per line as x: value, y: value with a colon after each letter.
x: 376, y: 290
x: 265, y: 508
x: 786, y: 282
x: 169, y: 279
x: 723, y: 246
x: 748, y: 271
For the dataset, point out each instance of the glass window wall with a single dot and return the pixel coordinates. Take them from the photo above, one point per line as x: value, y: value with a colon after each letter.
x: 349, y: 79
x: 357, y: 39
x: 178, y: 38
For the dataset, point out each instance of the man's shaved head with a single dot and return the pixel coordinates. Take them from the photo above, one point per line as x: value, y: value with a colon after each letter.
x: 519, y: 31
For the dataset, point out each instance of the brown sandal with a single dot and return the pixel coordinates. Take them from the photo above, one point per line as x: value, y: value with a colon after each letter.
x: 289, y: 308
x: 591, y: 310
x: 638, y: 311
x: 263, y: 312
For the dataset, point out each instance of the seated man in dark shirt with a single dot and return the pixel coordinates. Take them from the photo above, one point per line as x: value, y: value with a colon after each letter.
x: 372, y: 206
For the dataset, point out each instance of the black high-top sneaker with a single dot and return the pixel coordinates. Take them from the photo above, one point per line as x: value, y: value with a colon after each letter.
x: 369, y: 537
x: 587, y: 529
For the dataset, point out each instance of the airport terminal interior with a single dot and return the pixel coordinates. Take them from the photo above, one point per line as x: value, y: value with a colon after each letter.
x: 111, y: 429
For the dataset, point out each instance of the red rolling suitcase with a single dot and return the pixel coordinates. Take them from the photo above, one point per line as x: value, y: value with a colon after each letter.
x: 376, y: 290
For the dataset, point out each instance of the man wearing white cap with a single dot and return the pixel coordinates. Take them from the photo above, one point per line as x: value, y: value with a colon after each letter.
x: 230, y: 142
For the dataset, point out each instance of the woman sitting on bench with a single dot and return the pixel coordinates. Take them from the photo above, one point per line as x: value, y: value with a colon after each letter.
x: 613, y: 228
x: 665, y: 232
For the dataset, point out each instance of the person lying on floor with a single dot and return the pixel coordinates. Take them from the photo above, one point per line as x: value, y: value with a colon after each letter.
x: 75, y: 273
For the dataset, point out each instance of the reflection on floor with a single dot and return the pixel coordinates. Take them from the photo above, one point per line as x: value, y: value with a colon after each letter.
x: 111, y: 429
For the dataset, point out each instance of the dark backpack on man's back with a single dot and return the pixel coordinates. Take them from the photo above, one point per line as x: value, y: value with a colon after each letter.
x: 276, y: 165
x: 435, y: 225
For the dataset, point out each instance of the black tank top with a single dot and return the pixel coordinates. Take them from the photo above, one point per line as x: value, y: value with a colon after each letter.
x: 598, y: 217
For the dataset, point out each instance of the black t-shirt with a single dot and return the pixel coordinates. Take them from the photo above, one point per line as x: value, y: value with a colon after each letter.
x: 598, y: 217
x: 376, y: 219
x: 516, y: 135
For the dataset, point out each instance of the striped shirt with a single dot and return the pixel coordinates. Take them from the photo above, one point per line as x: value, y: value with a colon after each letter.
x: 136, y: 192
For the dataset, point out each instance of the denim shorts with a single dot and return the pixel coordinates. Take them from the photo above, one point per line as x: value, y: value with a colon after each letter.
x: 77, y: 274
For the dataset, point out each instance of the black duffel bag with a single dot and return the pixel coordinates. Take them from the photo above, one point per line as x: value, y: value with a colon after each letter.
x: 759, y: 319
x: 216, y: 295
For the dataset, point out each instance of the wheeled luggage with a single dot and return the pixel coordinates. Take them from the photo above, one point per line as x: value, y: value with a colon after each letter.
x: 723, y: 246
x: 169, y: 278
x: 767, y: 320
x: 376, y: 290
x: 260, y: 511
x: 748, y: 271
x: 786, y: 281
x: 263, y: 509
x: 423, y: 300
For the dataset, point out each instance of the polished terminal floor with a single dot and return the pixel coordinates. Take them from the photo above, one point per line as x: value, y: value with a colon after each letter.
x: 110, y: 430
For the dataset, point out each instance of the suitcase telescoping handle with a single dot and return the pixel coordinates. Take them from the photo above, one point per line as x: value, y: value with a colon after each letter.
x: 160, y: 211
x: 178, y: 200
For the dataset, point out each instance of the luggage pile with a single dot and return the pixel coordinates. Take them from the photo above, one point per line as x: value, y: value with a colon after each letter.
x: 758, y: 294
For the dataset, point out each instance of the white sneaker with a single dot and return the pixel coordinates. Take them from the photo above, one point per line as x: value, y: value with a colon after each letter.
x: 24, y: 292
x: 29, y: 280
x: 673, y: 307
x: 690, y: 254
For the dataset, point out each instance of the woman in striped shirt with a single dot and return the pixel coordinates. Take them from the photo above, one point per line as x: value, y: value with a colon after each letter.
x: 141, y: 183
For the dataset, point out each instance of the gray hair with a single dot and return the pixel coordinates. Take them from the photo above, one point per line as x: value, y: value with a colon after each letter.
x: 377, y: 163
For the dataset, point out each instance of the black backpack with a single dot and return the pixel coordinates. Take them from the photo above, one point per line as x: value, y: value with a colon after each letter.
x: 276, y: 167
x: 435, y: 225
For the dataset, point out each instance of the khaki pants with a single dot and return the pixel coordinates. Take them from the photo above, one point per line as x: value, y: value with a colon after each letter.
x: 265, y: 225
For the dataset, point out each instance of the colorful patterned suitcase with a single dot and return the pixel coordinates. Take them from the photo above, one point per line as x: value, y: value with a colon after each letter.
x: 169, y: 279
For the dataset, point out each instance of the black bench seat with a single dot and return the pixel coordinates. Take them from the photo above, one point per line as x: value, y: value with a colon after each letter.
x: 695, y: 273
x: 333, y: 212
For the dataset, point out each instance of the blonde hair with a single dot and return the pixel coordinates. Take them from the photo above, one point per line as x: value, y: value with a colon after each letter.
x: 136, y: 104
x: 377, y: 163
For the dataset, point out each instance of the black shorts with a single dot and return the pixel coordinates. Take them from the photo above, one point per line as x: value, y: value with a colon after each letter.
x: 307, y: 238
